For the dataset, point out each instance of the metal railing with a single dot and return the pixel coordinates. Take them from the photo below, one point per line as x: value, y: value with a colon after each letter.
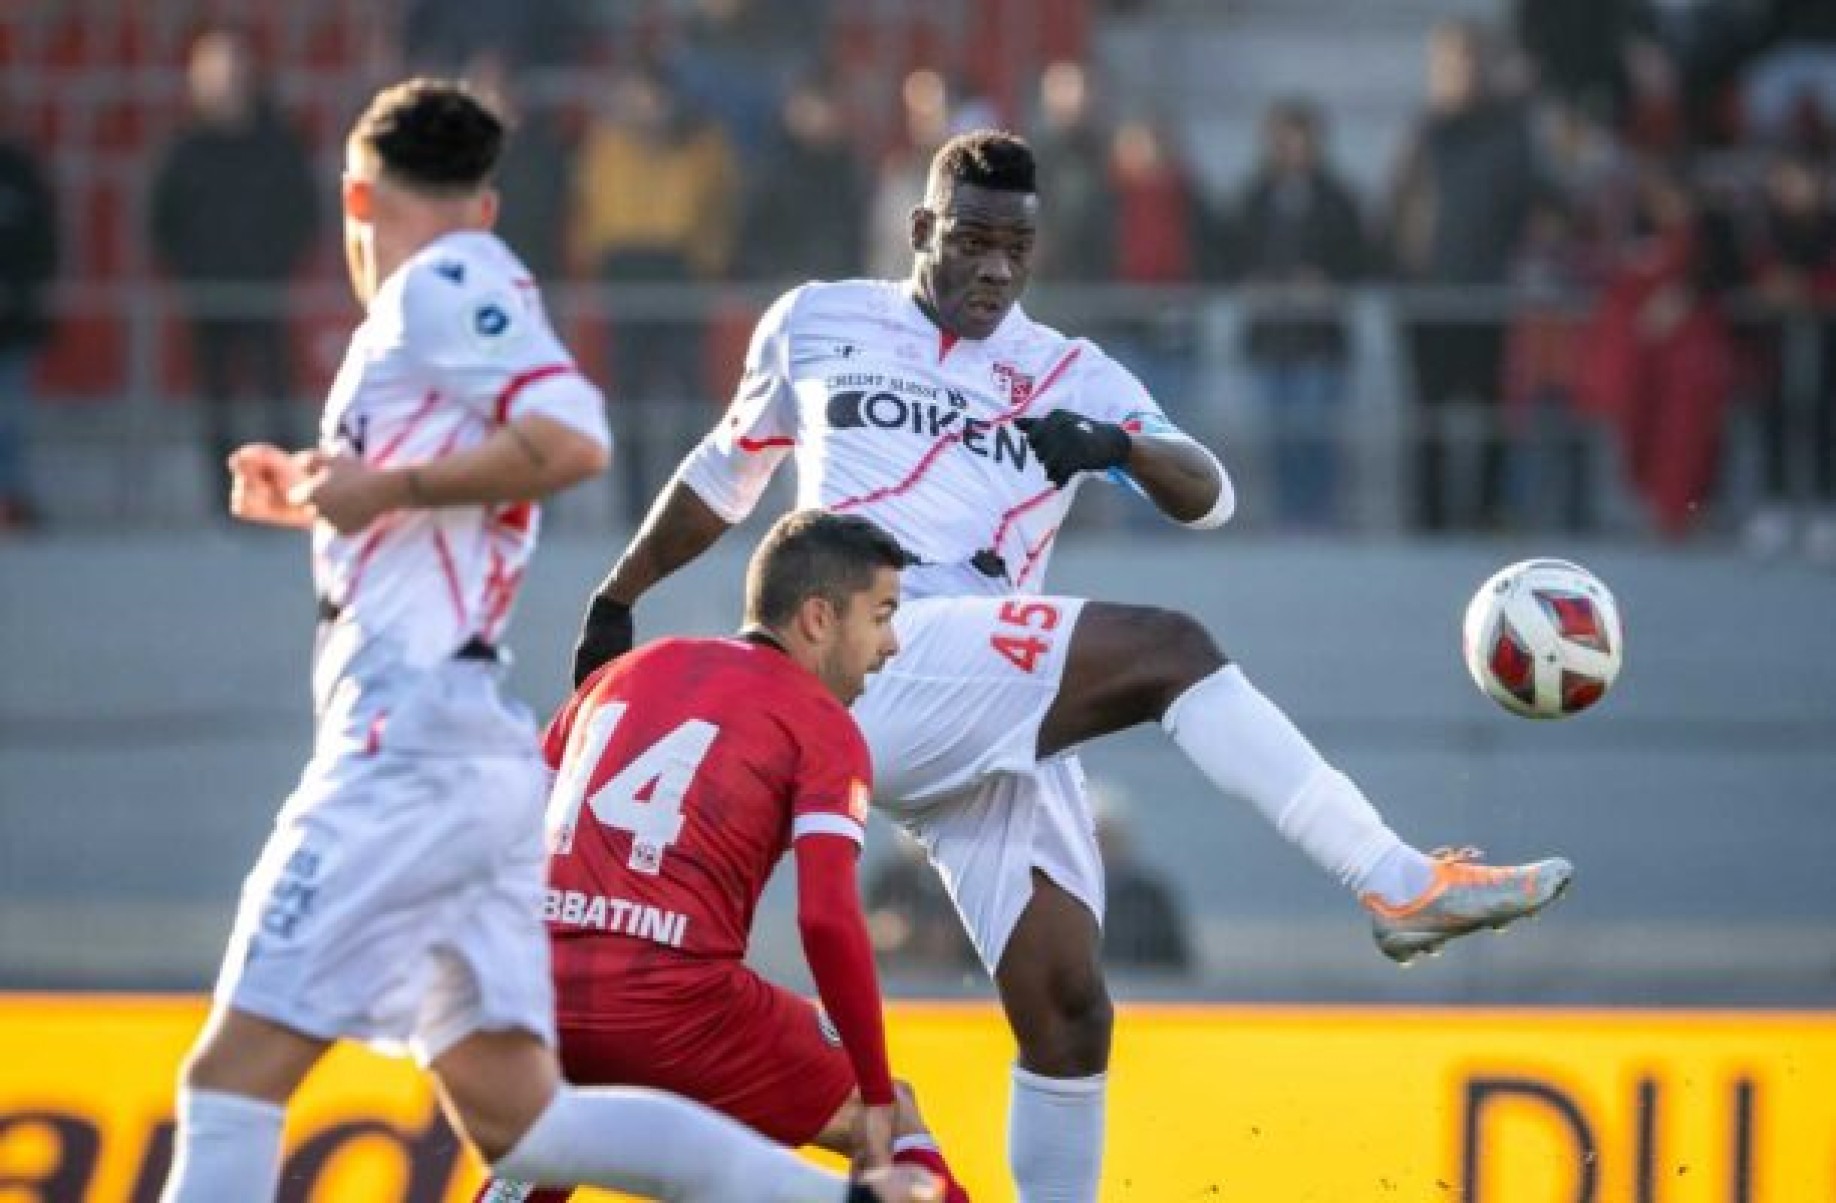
x: 138, y: 415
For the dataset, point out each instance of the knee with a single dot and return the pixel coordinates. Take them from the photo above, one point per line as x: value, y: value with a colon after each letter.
x: 1177, y: 652
x: 1069, y: 1033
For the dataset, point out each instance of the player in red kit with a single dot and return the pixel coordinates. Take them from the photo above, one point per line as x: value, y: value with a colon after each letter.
x: 685, y: 771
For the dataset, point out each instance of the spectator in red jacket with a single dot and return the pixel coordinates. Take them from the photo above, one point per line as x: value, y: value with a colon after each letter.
x: 1658, y: 357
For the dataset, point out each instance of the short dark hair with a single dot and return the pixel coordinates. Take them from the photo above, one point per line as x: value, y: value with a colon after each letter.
x: 813, y: 553
x: 434, y: 135
x: 986, y: 158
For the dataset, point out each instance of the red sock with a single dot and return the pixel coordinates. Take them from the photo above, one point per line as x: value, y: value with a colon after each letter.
x: 925, y: 1154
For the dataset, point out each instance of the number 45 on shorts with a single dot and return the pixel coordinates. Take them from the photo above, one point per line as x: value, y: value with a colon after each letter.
x: 1021, y: 640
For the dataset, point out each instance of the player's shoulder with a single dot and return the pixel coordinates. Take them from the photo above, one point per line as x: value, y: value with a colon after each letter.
x: 825, y: 302
x: 1026, y: 337
x: 463, y: 291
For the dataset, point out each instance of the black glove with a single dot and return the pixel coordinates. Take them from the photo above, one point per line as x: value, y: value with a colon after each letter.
x: 1068, y: 443
x: 606, y: 635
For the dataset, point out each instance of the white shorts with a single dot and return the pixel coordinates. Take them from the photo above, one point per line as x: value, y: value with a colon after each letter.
x: 399, y: 899
x: 953, y: 723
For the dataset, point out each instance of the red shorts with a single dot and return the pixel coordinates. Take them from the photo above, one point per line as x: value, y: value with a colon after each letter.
x: 720, y: 1034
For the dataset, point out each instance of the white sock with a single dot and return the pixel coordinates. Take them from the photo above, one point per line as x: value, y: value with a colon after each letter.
x: 228, y: 1147
x: 1249, y: 749
x: 1055, y: 1137
x: 647, y: 1143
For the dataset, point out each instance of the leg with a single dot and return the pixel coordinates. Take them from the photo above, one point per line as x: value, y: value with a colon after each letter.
x: 1127, y: 665
x: 232, y: 1097
x: 505, y: 1094
x: 1132, y: 664
x: 1053, y: 993
x: 752, y: 1051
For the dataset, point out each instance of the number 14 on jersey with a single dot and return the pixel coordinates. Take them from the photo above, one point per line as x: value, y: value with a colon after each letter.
x: 644, y: 798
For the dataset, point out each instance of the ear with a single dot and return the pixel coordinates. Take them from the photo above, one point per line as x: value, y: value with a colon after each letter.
x: 923, y: 227
x: 816, y: 620
x: 359, y: 198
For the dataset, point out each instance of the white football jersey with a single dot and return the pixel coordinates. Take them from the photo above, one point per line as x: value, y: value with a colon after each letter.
x: 454, y: 345
x: 893, y: 419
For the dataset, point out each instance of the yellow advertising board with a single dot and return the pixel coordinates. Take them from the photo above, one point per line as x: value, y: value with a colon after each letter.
x: 1271, y: 1105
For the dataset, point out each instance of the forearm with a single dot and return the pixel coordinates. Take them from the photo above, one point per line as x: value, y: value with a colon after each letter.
x: 840, y: 956
x: 1180, y: 476
x: 527, y: 460
x: 679, y: 527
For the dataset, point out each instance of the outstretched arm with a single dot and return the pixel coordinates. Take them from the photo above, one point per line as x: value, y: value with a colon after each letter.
x: 679, y: 527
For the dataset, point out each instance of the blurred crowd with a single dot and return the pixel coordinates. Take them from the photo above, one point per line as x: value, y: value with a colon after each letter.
x: 1619, y: 216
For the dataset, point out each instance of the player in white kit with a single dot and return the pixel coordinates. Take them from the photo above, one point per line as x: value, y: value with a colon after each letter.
x: 939, y: 409
x: 398, y: 900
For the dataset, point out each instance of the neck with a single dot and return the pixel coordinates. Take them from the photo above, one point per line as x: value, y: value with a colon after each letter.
x: 797, y: 650
x: 929, y: 310
x: 764, y: 637
x: 395, y: 246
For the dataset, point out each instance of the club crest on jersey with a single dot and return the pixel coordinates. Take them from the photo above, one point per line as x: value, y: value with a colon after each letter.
x: 493, y: 323
x: 1017, y: 384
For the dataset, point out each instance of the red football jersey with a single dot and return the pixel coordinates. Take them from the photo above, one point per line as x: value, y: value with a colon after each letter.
x: 685, y: 770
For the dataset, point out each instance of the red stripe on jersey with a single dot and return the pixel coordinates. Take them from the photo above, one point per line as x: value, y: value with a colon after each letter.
x: 521, y: 381
x: 380, y: 532
x: 954, y: 437
x: 409, y: 427
x: 945, y: 342
x: 1007, y: 519
x: 451, y: 573
x: 500, y: 594
x: 1032, y: 556
x: 754, y: 446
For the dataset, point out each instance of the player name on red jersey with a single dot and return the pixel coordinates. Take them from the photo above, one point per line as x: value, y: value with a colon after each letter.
x: 620, y: 916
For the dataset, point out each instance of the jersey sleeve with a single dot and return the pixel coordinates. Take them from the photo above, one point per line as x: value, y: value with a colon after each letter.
x: 834, y: 782
x: 486, y: 340
x: 732, y: 465
x: 1109, y: 392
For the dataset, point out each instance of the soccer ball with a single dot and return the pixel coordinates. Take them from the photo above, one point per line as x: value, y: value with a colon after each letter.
x: 1542, y: 638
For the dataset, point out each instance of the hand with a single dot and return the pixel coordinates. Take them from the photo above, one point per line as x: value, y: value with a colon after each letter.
x: 261, y: 477
x: 1068, y: 443
x: 605, y: 635
x: 873, y: 1137
x: 900, y: 1184
x: 344, y: 491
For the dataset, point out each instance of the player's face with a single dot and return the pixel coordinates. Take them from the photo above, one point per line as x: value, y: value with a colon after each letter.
x: 974, y: 249
x: 861, y: 639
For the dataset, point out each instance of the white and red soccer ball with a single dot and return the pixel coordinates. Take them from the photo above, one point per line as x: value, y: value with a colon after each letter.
x: 1542, y: 638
